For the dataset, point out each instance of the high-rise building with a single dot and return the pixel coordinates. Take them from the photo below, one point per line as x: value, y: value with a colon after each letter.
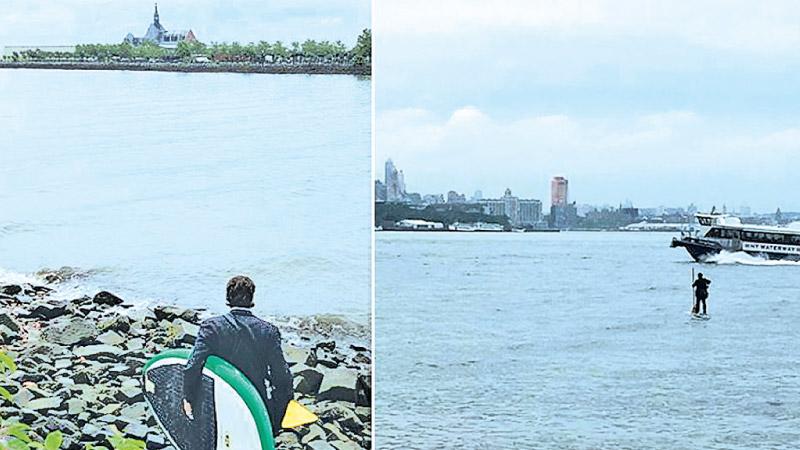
x: 395, y: 185
x: 558, y: 191
x: 511, y: 207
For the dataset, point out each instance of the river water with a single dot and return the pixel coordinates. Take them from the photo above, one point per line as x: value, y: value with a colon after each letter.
x: 580, y: 340
x: 161, y: 186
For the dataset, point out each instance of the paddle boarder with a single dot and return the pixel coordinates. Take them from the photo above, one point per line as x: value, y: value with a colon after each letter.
x: 700, y: 286
x: 252, y: 345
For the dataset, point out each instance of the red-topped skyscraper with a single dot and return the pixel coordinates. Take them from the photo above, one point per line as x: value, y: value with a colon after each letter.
x: 558, y: 191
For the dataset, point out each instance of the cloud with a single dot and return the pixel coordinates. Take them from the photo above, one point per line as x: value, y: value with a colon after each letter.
x: 649, y: 158
x: 736, y: 25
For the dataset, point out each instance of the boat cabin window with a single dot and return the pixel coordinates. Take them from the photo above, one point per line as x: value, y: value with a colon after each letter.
x: 705, y: 221
x: 723, y: 233
x: 771, y: 238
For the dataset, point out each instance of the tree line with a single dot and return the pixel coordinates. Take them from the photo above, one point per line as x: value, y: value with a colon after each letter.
x: 309, y: 51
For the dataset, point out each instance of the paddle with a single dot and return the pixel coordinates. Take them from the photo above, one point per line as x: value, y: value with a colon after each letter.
x: 694, y: 296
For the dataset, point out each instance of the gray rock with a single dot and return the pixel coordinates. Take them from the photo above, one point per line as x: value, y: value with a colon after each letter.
x: 46, y: 311
x: 345, y: 445
x: 320, y: 445
x: 339, y: 384
x: 307, y: 381
x: 71, y: 332
x: 315, y: 432
x: 8, y: 322
x: 7, y: 335
x: 95, y: 351
x: 44, y: 404
x: 110, y: 338
x: 10, y: 289
x: 296, y: 355
x: 364, y: 390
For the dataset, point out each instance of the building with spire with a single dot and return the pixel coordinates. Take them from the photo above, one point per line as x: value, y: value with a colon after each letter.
x: 157, y: 34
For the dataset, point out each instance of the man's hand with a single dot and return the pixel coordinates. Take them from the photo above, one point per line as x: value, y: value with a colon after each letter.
x: 187, y: 409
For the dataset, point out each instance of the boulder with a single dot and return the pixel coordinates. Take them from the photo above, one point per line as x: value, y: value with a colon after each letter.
x: 71, y: 332
x: 171, y: 313
x: 10, y: 289
x: 297, y: 355
x: 107, y: 298
x: 364, y: 390
x: 339, y: 385
x: 307, y: 381
x: 46, y: 311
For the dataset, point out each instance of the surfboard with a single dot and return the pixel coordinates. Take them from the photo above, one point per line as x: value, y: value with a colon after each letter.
x: 231, y: 417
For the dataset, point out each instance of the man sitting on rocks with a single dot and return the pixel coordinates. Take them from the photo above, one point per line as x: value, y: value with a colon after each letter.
x: 250, y: 344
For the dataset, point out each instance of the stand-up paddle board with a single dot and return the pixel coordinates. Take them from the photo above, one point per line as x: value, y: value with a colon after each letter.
x: 231, y: 417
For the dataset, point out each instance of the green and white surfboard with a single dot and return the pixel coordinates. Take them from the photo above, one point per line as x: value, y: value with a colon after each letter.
x: 231, y: 417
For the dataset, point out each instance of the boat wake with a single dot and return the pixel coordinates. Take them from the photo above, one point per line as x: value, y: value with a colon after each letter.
x: 746, y: 259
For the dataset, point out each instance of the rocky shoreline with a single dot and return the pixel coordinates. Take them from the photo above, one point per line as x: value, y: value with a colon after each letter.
x: 309, y: 69
x: 79, y: 367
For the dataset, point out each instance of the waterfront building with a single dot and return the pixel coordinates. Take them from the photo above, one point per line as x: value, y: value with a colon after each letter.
x: 563, y: 216
x: 511, y: 207
x: 530, y: 211
x: 455, y: 197
x: 494, y: 207
x: 157, y: 34
x: 520, y: 212
x: 433, y: 199
x: 477, y: 197
x: 558, y: 191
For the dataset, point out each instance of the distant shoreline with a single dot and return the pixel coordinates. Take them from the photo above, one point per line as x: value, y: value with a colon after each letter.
x: 307, y: 69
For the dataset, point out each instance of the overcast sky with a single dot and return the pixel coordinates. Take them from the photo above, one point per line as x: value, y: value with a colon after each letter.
x: 54, y: 22
x: 659, y: 103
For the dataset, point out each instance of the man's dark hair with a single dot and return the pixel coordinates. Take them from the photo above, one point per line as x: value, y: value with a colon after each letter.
x: 700, y: 275
x: 240, y: 292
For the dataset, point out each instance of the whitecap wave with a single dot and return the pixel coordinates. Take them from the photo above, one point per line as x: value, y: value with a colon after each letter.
x: 11, y: 277
x: 748, y: 260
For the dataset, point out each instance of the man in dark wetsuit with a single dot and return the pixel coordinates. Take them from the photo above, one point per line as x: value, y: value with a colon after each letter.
x: 700, y: 286
x: 252, y: 345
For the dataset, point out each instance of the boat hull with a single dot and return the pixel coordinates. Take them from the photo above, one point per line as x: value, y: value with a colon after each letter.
x: 699, y: 249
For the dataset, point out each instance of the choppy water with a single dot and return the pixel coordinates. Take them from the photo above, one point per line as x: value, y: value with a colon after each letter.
x: 580, y: 340
x: 163, y: 185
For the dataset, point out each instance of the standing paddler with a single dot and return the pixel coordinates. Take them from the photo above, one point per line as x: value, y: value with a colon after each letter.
x: 700, y: 286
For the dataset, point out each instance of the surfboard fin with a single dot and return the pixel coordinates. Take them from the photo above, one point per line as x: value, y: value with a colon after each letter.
x: 297, y: 415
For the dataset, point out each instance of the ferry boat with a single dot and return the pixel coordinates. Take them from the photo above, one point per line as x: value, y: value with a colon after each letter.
x: 720, y: 232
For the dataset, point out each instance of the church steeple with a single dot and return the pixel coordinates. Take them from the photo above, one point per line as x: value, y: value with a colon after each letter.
x: 155, y: 16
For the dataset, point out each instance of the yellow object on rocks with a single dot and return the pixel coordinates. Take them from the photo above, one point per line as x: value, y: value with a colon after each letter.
x: 297, y: 415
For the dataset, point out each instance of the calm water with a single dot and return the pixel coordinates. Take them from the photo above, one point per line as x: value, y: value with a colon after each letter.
x: 163, y: 185
x: 580, y: 340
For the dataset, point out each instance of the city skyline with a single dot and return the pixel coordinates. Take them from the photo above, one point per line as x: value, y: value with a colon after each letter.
x: 656, y: 102
x: 558, y: 195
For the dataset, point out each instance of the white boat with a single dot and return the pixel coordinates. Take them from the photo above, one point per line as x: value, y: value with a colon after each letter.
x: 718, y: 232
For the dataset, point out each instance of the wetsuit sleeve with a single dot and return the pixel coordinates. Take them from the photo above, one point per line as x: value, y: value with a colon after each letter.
x: 280, y: 379
x: 193, y: 372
